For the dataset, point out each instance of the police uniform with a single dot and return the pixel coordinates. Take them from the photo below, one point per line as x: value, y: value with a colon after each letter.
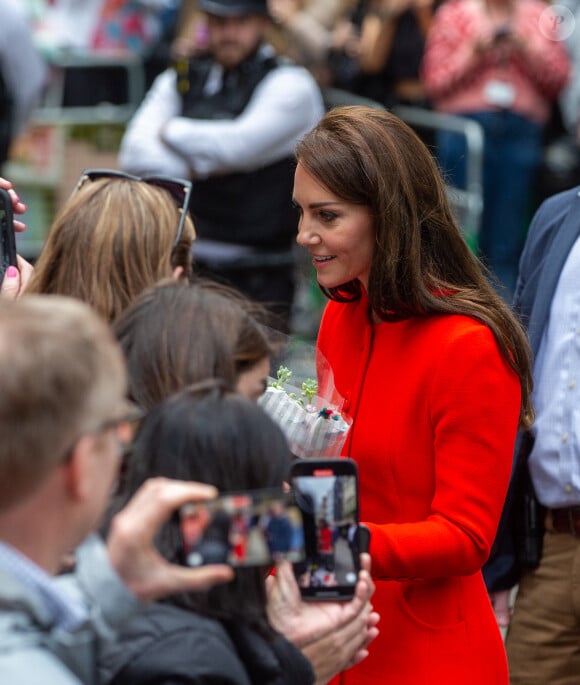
x: 233, y: 132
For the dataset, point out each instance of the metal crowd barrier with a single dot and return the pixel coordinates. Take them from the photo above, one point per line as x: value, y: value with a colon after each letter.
x: 54, y: 110
x: 45, y: 157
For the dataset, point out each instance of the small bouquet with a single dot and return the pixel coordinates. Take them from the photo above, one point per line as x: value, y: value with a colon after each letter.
x: 313, y: 426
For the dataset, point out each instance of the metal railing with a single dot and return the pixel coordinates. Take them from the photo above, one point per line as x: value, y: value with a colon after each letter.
x: 54, y: 111
x: 40, y: 172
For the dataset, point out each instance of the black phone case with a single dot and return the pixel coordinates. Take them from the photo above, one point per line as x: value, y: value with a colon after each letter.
x: 318, y: 565
x: 7, y: 236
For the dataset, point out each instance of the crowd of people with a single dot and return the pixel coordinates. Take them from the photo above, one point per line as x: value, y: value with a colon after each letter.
x: 86, y: 475
x: 233, y: 85
x: 134, y: 350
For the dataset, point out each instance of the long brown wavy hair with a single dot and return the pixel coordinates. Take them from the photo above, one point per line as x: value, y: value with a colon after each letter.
x: 421, y: 264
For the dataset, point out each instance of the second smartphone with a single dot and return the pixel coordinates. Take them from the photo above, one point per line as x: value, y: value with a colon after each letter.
x: 7, y: 238
x: 252, y: 528
x: 326, y: 492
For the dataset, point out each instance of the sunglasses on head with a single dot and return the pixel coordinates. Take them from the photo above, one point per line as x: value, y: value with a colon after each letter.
x: 178, y: 188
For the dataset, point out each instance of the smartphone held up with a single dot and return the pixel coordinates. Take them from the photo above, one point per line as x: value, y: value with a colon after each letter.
x: 326, y: 492
x: 7, y: 235
x: 315, y: 526
x: 253, y: 528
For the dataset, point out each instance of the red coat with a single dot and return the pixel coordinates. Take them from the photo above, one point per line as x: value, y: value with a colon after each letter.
x: 435, y: 412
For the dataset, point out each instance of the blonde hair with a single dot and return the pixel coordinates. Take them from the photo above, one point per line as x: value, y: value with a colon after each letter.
x: 111, y: 240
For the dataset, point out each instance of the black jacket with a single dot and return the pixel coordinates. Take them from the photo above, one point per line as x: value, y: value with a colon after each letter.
x: 250, y: 208
x: 166, y: 645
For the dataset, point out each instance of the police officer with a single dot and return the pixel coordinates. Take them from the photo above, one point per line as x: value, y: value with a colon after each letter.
x: 229, y: 119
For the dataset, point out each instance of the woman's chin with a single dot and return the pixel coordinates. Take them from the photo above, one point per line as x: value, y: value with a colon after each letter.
x: 328, y: 280
x: 325, y: 281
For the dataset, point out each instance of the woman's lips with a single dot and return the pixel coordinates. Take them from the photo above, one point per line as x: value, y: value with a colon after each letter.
x: 320, y: 261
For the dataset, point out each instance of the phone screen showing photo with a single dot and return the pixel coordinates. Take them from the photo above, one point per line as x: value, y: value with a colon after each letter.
x: 254, y: 528
x: 328, y: 500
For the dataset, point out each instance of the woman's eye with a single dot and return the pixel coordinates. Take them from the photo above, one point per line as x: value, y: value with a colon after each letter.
x: 327, y: 216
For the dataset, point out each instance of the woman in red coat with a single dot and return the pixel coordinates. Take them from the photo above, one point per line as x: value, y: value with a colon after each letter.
x: 435, y: 373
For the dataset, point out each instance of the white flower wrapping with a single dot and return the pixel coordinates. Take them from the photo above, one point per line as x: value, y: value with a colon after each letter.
x: 316, y: 429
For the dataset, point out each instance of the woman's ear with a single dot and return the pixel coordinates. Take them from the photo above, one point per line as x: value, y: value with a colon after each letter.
x: 178, y: 273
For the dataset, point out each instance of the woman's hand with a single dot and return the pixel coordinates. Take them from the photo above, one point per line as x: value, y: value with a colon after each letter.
x: 16, y: 278
x: 500, y: 601
x: 17, y: 205
x: 332, y: 635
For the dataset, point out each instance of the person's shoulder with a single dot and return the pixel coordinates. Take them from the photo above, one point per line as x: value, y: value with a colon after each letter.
x: 551, y: 214
x: 453, y: 328
x: 457, y: 344
x: 166, y: 79
x: 283, y: 62
x: 33, y: 665
x: 285, y: 67
x: 173, y: 643
x: 453, y: 322
x: 159, y: 620
x: 564, y: 200
x: 25, y: 654
x: 296, y: 77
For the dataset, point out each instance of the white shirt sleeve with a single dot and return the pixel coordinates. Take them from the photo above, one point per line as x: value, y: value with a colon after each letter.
x: 142, y: 151
x: 284, y: 106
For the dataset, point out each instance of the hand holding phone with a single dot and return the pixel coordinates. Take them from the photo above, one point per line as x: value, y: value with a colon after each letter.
x: 326, y: 491
x: 131, y: 541
x: 332, y: 635
x: 18, y: 206
x: 7, y: 236
x: 252, y: 528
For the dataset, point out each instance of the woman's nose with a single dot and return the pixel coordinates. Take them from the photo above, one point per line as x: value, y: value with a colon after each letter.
x: 306, y: 236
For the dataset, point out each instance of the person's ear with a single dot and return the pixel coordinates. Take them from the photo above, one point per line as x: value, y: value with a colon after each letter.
x: 178, y: 273
x: 79, y: 474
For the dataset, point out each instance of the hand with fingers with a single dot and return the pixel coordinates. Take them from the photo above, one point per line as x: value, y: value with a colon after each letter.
x: 333, y: 635
x: 500, y: 601
x: 131, y: 542
x: 17, y: 205
x: 16, y: 278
